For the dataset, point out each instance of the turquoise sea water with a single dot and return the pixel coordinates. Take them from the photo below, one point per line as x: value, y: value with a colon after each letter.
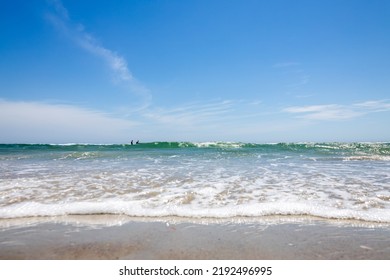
x: 213, y: 179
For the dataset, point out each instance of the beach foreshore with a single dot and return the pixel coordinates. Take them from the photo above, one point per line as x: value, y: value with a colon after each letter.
x: 120, y: 237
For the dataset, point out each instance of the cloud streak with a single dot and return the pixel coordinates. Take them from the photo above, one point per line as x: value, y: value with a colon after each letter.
x: 57, y: 123
x: 190, y: 114
x: 39, y: 122
x: 227, y: 120
x: 333, y: 112
x: 214, y: 113
x: 76, y: 32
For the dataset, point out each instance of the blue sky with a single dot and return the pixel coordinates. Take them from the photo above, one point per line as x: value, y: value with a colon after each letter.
x: 215, y: 70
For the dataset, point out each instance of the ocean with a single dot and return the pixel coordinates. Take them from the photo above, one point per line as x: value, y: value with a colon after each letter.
x: 197, y: 180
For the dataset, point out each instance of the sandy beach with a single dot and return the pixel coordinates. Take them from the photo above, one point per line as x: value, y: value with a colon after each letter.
x: 119, y: 237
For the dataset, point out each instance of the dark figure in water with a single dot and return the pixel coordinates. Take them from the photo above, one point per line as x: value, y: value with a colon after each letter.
x: 137, y: 142
x: 131, y: 142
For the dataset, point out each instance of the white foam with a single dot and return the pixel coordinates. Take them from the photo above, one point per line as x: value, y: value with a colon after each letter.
x: 138, y: 209
x: 212, y: 183
x: 368, y: 158
x: 218, y: 144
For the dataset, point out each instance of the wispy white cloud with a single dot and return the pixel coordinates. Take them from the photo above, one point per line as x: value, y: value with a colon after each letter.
x: 229, y: 120
x: 43, y: 122
x: 330, y: 112
x: 226, y: 120
x: 323, y: 112
x: 76, y: 32
x: 191, y: 114
x: 218, y: 119
x: 26, y: 121
x: 374, y: 105
x: 60, y: 9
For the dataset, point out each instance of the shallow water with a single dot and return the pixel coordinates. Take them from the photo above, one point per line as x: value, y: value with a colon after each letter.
x: 214, y: 180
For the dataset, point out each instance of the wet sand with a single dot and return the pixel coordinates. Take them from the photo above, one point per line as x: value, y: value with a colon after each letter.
x: 118, y: 237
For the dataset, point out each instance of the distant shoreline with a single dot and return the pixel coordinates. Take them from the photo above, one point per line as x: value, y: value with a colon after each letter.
x: 196, y: 142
